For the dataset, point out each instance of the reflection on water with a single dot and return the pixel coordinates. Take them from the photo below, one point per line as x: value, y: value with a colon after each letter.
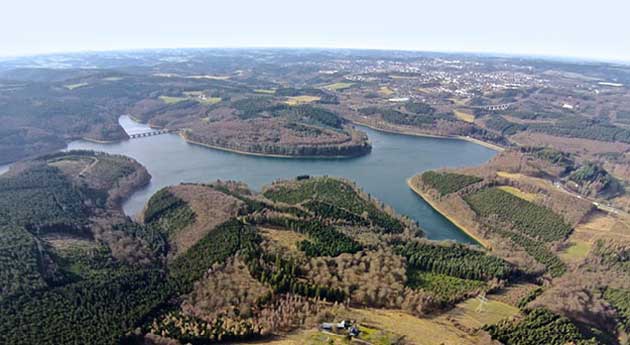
x: 383, y: 173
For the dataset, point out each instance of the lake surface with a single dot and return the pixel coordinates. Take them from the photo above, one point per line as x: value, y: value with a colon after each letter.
x: 382, y: 173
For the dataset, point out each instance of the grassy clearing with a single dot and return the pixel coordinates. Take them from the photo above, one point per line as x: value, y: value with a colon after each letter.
x: 416, y: 330
x: 75, y: 86
x: 200, y: 97
x: 72, y: 166
x: 542, y: 183
x: 265, y: 91
x: 467, y: 314
x: 519, y: 193
x: 66, y: 242
x: 285, y: 239
x: 577, y: 251
x: 338, y: 86
x: 371, y: 335
x: 621, y: 228
x: 210, y: 100
x: 193, y: 96
x: 172, y: 100
x: 596, y: 225
x: 378, y: 336
x: 315, y: 337
x: 211, y: 77
x: 458, y: 101
x: 385, y: 91
x: 464, y: 116
x: 297, y: 100
x: 382, y: 326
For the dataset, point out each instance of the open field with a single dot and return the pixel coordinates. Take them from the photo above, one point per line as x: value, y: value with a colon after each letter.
x: 67, y: 242
x: 442, y: 329
x: 576, y: 252
x: 519, y: 193
x: 471, y: 315
x: 338, y: 86
x: 211, y: 77
x: 455, y: 327
x: 285, y: 239
x: 542, y: 183
x: 598, y: 225
x: 265, y: 91
x: 73, y: 166
x: 191, y: 95
x: 172, y: 100
x: 209, y: 100
x: 464, y: 116
x: 385, y: 91
x: 296, y: 100
x: 315, y: 337
x: 75, y: 86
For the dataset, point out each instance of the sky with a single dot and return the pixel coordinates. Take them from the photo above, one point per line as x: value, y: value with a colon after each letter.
x: 578, y: 28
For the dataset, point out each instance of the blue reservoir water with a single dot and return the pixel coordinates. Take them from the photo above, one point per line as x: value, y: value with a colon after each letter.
x: 383, y: 172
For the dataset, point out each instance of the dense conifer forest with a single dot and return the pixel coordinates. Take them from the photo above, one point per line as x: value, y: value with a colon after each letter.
x: 540, y: 327
x: 446, y: 183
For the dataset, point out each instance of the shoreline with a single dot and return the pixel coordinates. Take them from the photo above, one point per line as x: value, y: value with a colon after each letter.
x: 463, y: 229
x: 101, y: 141
x: 226, y: 149
x: 456, y: 137
x: 137, y: 120
x: 268, y: 155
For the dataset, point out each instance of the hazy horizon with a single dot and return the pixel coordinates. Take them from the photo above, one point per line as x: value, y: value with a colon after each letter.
x: 560, y: 29
x: 490, y: 54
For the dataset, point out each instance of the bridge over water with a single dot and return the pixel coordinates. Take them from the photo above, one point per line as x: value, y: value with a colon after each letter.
x: 150, y: 134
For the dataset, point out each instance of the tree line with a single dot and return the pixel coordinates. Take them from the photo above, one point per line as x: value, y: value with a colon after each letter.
x: 454, y: 260
x: 540, y: 326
